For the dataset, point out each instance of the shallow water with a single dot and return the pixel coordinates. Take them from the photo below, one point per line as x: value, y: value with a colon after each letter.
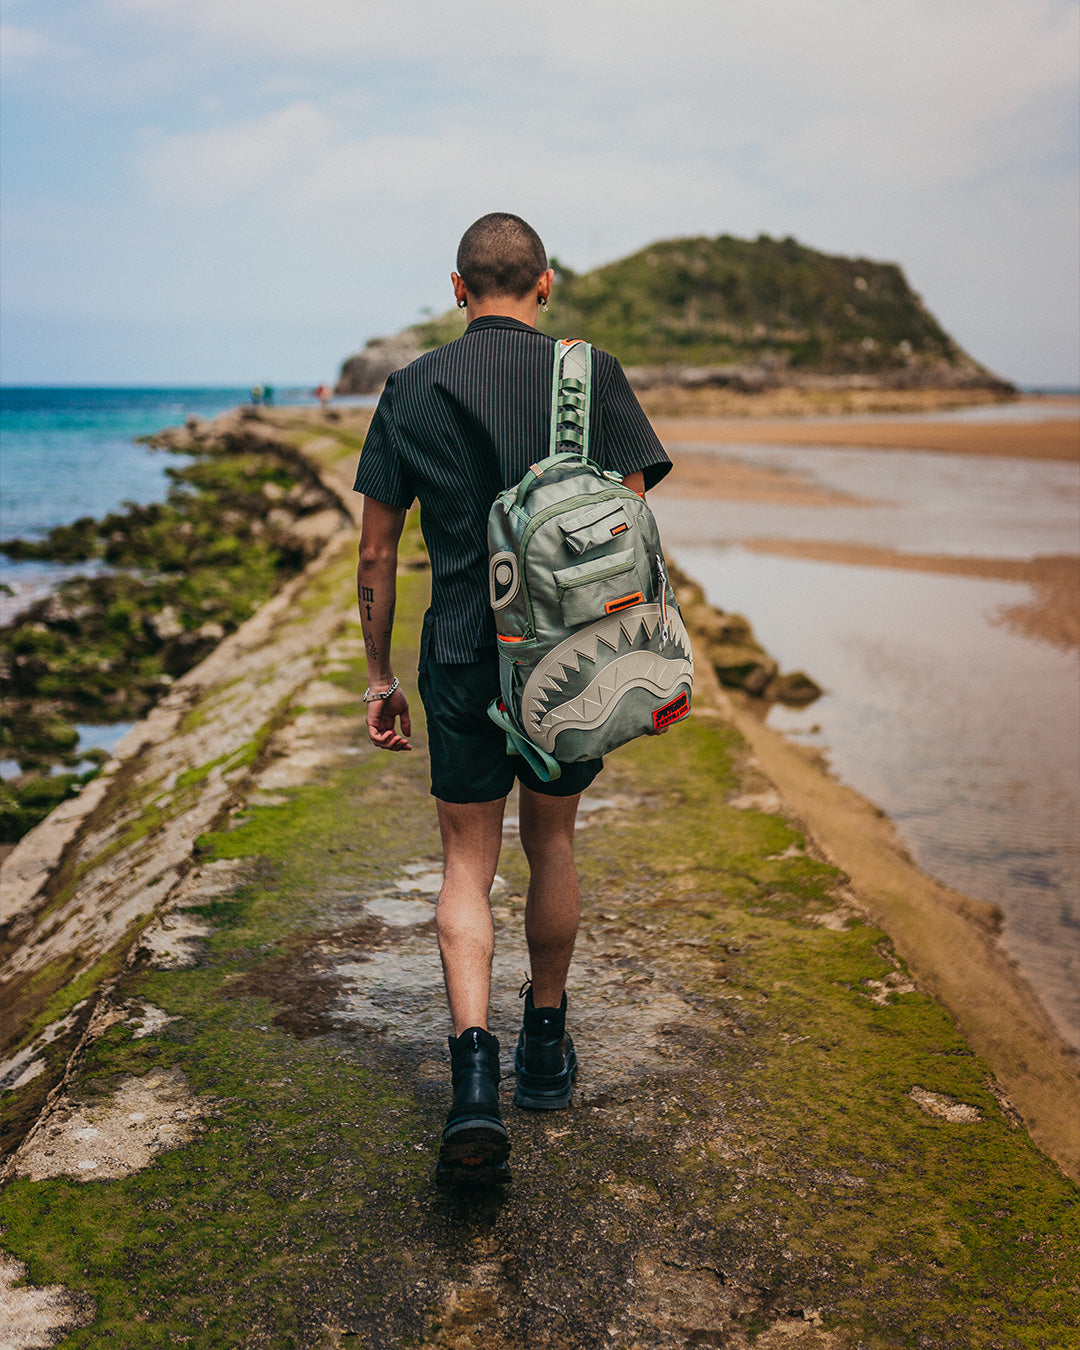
x: 965, y: 733
x: 1049, y: 406
x: 909, y: 500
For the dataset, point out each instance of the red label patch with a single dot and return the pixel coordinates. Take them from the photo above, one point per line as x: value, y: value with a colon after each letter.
x: 620, y: 529
x: 671, y: 712
x: 624, y: 602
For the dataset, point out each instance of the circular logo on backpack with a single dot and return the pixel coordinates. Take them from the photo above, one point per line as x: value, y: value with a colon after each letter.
x: 503, y: 580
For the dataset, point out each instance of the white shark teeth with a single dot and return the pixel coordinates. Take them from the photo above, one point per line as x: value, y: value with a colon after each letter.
x: 660, y: 675
x: 556, y: 672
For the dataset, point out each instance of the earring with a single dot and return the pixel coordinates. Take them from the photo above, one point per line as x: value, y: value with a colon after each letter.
x: 542, y: 301
x: 462, y: 303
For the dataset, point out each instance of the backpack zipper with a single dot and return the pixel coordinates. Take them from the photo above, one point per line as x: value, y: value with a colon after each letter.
x: 561, y: 587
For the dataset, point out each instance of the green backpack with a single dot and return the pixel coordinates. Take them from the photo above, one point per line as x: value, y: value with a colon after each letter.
x: 593, y: 651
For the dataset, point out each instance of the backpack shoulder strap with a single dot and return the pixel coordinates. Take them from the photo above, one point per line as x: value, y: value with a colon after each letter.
x: 571, y: 397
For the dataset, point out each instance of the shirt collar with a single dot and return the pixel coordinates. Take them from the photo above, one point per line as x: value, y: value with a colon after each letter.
x: 499, y: 321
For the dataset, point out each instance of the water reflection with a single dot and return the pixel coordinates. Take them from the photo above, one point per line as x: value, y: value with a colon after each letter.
x: 902, y: 499
x: 965, y: 733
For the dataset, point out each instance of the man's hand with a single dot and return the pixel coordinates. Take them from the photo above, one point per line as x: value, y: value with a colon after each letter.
x: 382, y: 714
x: 376, y: 590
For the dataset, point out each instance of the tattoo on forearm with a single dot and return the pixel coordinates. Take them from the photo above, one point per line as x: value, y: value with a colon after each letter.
x: 389, y: 625
x: 367, y: 598
x: 370, y: 647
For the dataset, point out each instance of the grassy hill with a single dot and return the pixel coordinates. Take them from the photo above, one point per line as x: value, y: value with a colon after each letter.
x: 769, y: 304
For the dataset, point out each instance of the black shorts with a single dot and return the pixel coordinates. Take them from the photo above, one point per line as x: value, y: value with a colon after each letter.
x: 469, y: 762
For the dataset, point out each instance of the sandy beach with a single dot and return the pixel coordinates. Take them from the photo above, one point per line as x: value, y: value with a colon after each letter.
x: 1055, y: 436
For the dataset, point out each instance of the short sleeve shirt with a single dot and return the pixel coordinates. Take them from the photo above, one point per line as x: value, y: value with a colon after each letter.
x: 465, y: 421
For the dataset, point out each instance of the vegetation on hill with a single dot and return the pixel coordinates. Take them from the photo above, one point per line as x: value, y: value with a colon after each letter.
x: 773, y: 306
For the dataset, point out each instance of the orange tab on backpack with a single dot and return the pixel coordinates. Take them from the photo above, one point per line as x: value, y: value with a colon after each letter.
x: 613, y: 606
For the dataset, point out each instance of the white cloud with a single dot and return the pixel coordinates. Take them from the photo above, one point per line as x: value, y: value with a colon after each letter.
x: 207, y: 169
x: 21, y: 48
x: 831, y: 48
x: 328, y: 154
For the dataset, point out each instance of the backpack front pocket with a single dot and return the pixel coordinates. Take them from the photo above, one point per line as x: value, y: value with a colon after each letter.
x: 589, y: 590
x: 590, y: 526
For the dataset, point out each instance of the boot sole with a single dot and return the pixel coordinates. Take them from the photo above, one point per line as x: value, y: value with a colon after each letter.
x: 473, y: 1152
x: 546, y: 1094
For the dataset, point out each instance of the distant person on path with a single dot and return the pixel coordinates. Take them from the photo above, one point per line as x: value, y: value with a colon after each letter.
x: 453, y: 429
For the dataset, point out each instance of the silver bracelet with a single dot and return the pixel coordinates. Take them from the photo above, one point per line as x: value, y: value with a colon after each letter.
x: 369, y: 697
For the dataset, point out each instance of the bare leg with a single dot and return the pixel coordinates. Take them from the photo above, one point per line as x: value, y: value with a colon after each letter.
x: 553, y: 906
x: 471, y: 837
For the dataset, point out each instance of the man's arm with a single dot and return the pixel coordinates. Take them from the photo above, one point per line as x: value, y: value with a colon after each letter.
x: 376, y: 592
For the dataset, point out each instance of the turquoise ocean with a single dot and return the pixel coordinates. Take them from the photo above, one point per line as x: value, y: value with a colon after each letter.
x: 66, y: 453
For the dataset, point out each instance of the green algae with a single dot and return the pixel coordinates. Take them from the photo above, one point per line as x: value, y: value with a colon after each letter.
x: 197, y: 716
x: 868, y: 1208
x: 240, y: 758
x: 63, y: 985
x: 182, y: 573
x: 226, y: 1232
x: 915, y: 1204
x: 36, y: 1002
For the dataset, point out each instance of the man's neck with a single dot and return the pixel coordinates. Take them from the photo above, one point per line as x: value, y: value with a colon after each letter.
x: 524, y: 310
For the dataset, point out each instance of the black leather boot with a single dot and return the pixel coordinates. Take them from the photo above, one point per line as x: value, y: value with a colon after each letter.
x: 475, y: 1144
x: 545, y: 1059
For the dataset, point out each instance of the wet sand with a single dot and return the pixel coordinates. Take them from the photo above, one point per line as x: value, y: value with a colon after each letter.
x: 1055, y: 437
x: 711, y: 476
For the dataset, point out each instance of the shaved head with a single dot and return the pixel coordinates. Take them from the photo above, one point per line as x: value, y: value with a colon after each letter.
x: 500, y: 255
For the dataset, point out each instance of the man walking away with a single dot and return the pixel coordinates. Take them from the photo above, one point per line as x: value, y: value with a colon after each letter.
x: 453, y: 429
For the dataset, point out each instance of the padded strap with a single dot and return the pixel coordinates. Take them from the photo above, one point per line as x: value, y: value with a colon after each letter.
x: 571, y: 395
x: 545, y: 766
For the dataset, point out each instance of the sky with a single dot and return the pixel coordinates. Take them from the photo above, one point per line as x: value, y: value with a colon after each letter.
x: 231, y: 191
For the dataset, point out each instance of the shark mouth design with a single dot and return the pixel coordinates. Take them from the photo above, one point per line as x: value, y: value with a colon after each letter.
x: 546, y: 708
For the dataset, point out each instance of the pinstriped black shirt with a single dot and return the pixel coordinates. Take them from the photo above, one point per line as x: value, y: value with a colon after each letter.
x: 465, y: 421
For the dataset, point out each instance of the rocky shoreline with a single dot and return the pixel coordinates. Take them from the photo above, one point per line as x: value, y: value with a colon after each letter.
x: 170, y: 580
x: 675, y: 390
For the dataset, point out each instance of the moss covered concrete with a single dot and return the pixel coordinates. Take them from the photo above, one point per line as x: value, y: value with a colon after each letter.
x: 778, y: 1139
